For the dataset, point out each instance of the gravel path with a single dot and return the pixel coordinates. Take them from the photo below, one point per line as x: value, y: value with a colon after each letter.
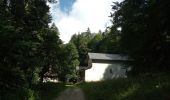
x: 71, y: 94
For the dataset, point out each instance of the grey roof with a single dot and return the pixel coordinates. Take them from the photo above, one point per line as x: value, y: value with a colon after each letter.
x: 102, y: 56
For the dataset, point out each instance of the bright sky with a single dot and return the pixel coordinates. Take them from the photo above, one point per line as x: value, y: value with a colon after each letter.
x: 73, y: 16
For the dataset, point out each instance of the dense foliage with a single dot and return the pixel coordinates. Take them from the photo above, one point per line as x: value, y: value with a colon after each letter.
x: 101, y: 42
x: 68, y: 62
x: 145, y: 33
x: 27, y: 46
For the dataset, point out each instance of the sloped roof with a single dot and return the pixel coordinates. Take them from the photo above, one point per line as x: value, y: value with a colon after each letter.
x: 103, y: 56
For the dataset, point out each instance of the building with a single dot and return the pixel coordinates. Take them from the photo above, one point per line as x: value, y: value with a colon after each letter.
x: 105, y: 66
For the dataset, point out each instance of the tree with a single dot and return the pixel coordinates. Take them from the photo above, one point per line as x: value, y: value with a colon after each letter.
x: 81, y: 41
x: 95, y: 43
x: 106, y: 42
x: 50, y: 49
x: 109, y: 42
x: 68, y: 62
x: 144, y: 34
x: 22, y: 23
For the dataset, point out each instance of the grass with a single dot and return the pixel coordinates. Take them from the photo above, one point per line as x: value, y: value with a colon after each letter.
x: 156, y: 87
x: 49, y: 91
x: 149, y: 88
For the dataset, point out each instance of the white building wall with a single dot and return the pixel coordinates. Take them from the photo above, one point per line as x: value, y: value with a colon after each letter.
x: 104, y: 71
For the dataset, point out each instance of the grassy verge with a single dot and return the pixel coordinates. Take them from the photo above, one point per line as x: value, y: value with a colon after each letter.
x: 149, y: 88
x: 49, y: 91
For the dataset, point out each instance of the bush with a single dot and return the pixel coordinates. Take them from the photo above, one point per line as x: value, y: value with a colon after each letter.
x: 18, y: 94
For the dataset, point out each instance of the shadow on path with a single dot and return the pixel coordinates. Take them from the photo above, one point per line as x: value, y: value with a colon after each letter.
x: 71, y: 94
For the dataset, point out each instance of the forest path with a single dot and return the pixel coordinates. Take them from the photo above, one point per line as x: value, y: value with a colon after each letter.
x: 71, y: 94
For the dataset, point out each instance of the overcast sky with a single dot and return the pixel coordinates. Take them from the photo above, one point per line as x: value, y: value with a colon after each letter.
x: 73, y: 16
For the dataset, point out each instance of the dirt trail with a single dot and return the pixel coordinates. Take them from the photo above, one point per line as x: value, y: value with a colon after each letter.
x: 71, y: 94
